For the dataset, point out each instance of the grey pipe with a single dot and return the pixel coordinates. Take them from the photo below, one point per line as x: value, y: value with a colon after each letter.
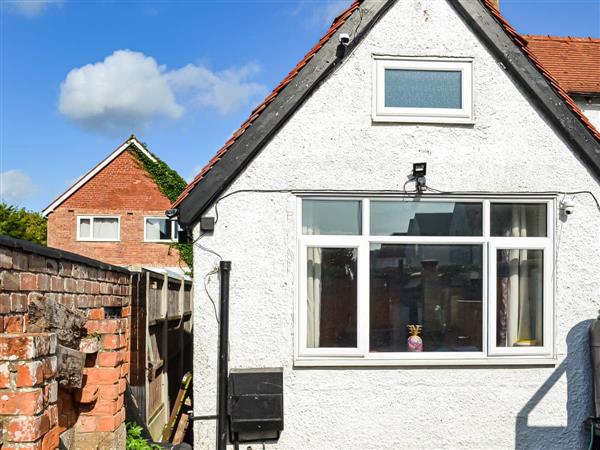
x: 595, y: 354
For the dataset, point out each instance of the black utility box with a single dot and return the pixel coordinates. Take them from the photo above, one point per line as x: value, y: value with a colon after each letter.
x: 255, y: 404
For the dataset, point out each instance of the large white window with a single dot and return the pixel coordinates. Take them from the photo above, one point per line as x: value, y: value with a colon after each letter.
x: 98, y: 228
x: 160, y: 229
x: 422, y: 90
x: 474, y: 276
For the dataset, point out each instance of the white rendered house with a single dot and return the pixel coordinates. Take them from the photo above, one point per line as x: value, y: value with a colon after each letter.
x: 335, y: 252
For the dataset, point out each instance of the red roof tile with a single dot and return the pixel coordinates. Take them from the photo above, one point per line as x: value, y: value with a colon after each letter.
x: 574, y: 62
x: 519, y: 40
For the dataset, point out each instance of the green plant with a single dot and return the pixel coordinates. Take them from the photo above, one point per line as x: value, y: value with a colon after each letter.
x: 22, y: 224
x: 171, y: 184
x: 135, y: 440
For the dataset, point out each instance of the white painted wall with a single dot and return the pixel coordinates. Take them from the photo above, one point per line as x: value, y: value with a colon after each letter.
x: 331, y: 143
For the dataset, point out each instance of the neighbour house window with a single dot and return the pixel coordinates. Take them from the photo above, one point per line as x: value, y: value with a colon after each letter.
x: 160, y: 229
x: 470, y: 277
x: 423, y: 90
x: 98, y: 228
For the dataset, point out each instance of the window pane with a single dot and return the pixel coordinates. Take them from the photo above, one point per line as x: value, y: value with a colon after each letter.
x: 411, y: 218
x: 331, y: 297
x: 159, y: 229
x: 84, y: 228
x: 438, y: 287
x: 519, y: 298
x: 423, y: 88
x: 106, y: 228
x: 331, y: 217
x: 518, y: 219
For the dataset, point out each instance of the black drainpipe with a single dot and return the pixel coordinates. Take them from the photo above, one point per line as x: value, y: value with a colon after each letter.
x: 225, y: 269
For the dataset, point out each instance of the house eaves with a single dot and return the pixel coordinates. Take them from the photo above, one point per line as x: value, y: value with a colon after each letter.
x: 92, y: 173
x: 480, y: 15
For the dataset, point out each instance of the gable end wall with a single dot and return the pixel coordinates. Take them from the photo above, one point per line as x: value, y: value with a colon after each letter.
x: 330, y: 143
x: 124, y: 189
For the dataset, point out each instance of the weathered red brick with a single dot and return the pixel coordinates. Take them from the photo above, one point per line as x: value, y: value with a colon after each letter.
x: 26, y: 346
x: 9, y: 281
x: 28, y: 281
x: 110, y: 359
x: 96, y: 314
x: 43, y: 282
x: 26, y: 402
x: 26, y: 428
x: 57, y: 284
x: 89, y: 393
x: 96, y: 375
x: 14, y: 324
x: 106, y: 326
x: 113, y: 342
x: 52, y: 439
x: 18, y: 302
x: 30, y: 373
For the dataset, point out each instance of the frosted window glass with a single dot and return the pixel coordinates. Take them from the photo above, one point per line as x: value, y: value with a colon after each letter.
x: 84, y: 228
x: 423, y: 88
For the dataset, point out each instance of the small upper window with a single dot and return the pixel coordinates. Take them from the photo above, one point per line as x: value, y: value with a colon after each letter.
x: 98, y: 228
x: 159, y: 229
x: 423, y: 90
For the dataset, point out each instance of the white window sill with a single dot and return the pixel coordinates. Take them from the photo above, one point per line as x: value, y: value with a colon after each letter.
x: 397, y: 118
x: 161, y: 241
x: 379, y: 362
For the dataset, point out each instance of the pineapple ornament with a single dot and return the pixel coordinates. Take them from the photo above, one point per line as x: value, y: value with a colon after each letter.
x: 414, y: 342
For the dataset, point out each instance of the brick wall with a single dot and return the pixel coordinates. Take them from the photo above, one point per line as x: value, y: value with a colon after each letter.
x: 34, y: 412
x: 122, y: 189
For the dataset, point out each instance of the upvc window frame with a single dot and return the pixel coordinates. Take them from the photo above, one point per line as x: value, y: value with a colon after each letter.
x: 174, y: 230
x: 525, y: 243
x: 382, y: 113
x: 490, y: 354
x: 91, y: 219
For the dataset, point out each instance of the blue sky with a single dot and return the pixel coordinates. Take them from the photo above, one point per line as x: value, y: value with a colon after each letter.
x: 181, y: 75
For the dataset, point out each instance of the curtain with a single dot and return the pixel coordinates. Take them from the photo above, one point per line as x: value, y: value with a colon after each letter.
x: 519, y: 319
x: 152, y: 229
x: 106, y: 228
x: 313, y: 296
x: 84, y: 228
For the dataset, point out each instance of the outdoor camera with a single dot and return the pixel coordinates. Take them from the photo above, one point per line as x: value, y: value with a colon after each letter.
x: 567, y: 207
x: 344, y: 39
x: 171, y: 213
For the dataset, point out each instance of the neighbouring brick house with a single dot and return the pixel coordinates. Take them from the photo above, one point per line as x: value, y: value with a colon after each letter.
x: 116, y: 212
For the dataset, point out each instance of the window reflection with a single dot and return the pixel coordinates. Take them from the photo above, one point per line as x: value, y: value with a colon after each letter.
x: 436, y: 286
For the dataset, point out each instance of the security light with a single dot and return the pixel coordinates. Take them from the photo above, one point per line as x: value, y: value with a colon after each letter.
x: 418, y: 176
x: 419, y: 170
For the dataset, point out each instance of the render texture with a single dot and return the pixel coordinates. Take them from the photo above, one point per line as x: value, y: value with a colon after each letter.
x: 331, y: 143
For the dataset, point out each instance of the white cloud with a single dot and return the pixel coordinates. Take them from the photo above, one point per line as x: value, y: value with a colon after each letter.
x: 225, y: 91
x: 15, y: 186
x: 30, y: 8
x: 129, y: 90
x: 320, y: 14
